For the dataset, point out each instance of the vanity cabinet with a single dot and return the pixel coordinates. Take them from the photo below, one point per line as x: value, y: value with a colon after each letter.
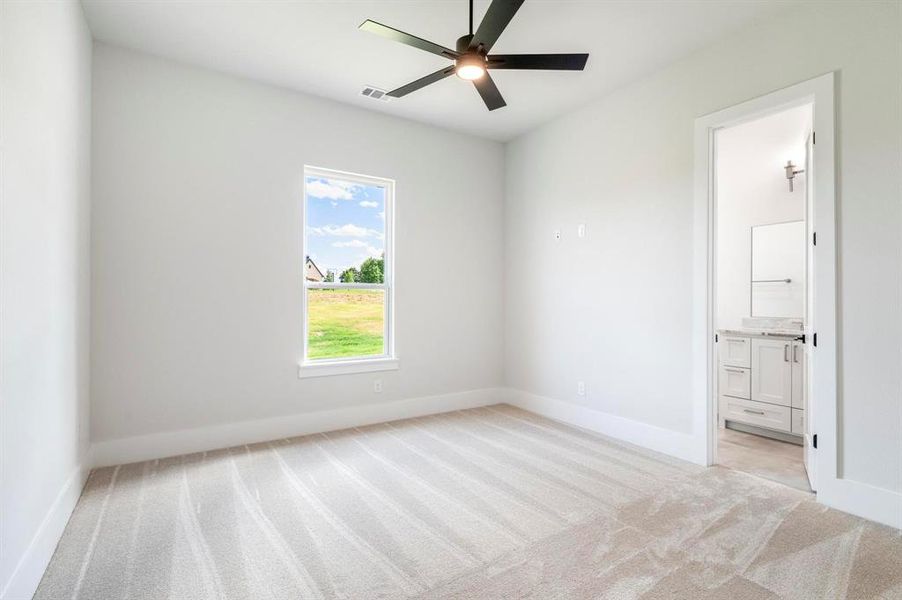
x: 761, y: 382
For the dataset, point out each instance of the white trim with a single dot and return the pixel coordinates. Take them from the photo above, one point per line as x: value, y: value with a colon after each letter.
x: 673, y: 443
x: 818, y: 92
x: 24, y: 580
x: 337, y: 286
x: 388, y: 284
x: 185, y: 441
x: 864, y: 500
x: 346, y: 367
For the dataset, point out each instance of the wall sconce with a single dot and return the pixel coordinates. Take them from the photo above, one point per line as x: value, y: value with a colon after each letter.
x: 791, y: 172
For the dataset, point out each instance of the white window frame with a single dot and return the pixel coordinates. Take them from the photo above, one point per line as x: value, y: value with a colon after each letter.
x: 387, y: 361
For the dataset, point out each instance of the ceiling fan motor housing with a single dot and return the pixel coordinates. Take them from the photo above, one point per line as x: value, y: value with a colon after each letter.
x: 463, y: 43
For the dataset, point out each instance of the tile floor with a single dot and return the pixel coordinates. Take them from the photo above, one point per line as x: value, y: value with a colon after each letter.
x: 763, y: 457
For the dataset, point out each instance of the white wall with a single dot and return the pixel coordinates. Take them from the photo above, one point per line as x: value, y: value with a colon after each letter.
x: 45, y: 111
x: 752, y: 190
x: 615, y: 309
x: 197, y: 249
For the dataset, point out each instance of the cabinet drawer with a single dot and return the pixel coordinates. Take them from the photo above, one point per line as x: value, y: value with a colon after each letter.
x: 735, y: 351
x: 734, y: 381
x: 798, y: 421
x: 756, y: 413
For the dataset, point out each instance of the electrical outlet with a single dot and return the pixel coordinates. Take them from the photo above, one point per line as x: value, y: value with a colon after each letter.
x: 557, y: 235
x: 580, y: 388
x: 581, y: 230
x: 377, y: 386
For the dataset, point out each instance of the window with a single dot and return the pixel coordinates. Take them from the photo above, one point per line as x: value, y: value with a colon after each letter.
x: 347, y: 273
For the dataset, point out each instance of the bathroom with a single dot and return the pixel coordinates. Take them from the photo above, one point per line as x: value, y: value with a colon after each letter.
x: 763, y: 300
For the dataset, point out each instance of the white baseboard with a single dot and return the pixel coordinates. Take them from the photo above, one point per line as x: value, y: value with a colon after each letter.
x: 872, y: 503
x: 185, y: 441
x: 665, y: 441
x: 867, y: 501
x: 28, y: 572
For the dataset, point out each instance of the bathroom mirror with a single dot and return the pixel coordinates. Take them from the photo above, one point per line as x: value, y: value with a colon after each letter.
x: 778, y: 270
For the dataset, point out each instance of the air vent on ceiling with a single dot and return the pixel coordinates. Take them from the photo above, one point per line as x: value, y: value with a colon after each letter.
x: 375, y: 93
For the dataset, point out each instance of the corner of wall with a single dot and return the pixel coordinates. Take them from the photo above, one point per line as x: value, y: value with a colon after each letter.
x: 30, y: 569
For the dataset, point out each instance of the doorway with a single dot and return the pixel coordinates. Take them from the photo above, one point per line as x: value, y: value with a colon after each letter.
x: 762, y: 203
x: 765, y: 281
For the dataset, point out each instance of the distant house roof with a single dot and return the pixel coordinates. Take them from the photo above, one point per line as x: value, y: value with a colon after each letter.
x: 312, y: 272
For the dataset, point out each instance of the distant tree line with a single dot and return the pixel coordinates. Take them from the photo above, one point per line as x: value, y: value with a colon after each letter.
x: 372, y: 270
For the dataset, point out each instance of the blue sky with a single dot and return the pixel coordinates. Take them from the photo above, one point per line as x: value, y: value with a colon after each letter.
x: 345, y: 222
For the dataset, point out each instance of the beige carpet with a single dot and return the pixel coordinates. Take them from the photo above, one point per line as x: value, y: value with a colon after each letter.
x: 486, y: 503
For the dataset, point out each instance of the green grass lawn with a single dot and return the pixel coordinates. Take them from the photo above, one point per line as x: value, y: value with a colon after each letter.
x: 345, y: 323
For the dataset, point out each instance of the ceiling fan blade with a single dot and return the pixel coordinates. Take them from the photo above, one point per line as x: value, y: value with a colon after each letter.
x: 552, y: 62
x: 421, y: 82
x: 493, y: 23
x: 405, y: 38
x: 486, y: 87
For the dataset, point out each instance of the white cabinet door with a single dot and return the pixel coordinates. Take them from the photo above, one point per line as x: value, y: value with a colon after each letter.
x: 734, y: 351
x: 798, y: 375
x: 772, y: 371
x: 734, y: 381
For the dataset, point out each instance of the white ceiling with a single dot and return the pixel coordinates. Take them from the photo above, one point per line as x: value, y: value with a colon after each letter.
x: 315, y: 47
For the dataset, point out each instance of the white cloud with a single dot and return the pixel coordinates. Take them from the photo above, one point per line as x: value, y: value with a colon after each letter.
x: 332, y: 189
x: 347, y: 230
x: 368, y: 204
x: 349, y: 244
x: 371, y: 252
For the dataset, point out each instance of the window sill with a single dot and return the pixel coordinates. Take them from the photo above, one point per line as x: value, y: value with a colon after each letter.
x: 328, y: 369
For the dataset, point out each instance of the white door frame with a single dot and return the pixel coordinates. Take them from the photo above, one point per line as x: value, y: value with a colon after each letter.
x: 820, y: 93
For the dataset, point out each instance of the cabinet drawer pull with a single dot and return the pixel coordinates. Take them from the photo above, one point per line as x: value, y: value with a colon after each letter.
x: 733, y: 370
x: 753, y: 412
x: 795, y: 353
x: 785, y: 352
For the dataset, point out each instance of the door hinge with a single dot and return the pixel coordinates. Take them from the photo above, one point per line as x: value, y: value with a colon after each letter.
x: 814, y: 340
x: 814, y: 441
x: 814, y: 239
x: 813, y: 138
x: 716, y: 339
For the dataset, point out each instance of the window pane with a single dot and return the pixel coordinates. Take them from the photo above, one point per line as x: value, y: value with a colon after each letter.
x: 345, y: 231
x: 345, y: 323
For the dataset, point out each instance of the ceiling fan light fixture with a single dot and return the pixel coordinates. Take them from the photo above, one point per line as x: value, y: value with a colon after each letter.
x: 470, y: 67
